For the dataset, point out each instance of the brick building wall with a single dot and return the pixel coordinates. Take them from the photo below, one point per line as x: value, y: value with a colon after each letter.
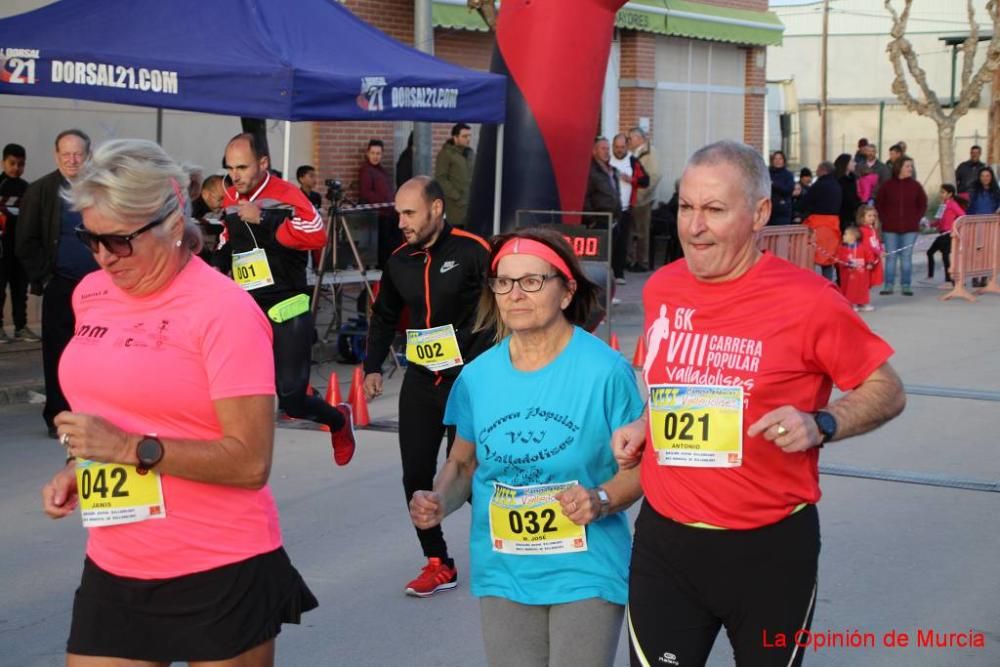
x: 753, y: 102
x: 338, y: 147
x: 638, y: 63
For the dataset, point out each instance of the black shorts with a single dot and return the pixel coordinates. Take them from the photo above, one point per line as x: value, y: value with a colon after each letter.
x: 686, y: 583
x: 213, y: 615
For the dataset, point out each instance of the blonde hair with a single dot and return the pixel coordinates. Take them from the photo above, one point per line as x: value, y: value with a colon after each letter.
x: 135, y: 181
x: 859, y: 217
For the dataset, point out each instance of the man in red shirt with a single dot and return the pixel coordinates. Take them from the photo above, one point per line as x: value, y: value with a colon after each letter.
x: 744, y: 349
x: 375, y: 187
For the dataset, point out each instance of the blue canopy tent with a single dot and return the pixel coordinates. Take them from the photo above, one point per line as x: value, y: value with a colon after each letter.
x: 300, y: 60
x: 278, y: 59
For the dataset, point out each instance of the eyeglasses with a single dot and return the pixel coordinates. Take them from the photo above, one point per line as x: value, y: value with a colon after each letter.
x: 119, y: 245
x: 532, y: 282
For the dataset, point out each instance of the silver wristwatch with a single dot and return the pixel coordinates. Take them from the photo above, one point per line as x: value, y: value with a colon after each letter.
x: 602, y: 497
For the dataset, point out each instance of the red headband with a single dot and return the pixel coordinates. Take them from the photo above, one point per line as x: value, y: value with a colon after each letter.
x: 523, y: 246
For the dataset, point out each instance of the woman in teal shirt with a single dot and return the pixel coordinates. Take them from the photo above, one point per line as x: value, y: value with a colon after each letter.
x: 534, y: 416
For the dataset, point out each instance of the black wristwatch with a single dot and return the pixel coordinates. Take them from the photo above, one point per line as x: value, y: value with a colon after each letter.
x: 149, y: 451
x: 827, y: 425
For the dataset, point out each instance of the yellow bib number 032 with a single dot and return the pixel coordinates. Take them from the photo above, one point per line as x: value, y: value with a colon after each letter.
x: 115, y: 493
x: 436, y: 348
x: 527, y: 521
x: 251, y: 270
x: 697, y: 426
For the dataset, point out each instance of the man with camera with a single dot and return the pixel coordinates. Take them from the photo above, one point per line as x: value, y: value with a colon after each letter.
x: 270, y: 227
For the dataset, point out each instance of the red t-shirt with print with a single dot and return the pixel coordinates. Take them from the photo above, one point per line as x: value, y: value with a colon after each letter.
x: 786, y: 336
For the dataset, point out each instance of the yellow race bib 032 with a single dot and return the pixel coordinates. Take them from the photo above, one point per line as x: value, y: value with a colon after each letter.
x: 528, y: 521
x: 697, y: 426
x: 114, y: 493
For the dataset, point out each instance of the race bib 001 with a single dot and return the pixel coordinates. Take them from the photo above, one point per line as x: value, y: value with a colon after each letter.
x: 697, y: 426
x: 251, y: 270
x: 436, y: 349
x: 527, y: 521
x: 114, y: 493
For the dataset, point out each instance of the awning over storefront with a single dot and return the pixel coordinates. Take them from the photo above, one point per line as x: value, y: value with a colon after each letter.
x: 681, y: 18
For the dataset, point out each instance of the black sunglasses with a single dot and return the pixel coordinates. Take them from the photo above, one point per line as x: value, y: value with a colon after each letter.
x: 119, y: 245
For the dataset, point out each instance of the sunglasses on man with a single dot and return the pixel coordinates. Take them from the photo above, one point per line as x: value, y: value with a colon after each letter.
x: 119, y: 245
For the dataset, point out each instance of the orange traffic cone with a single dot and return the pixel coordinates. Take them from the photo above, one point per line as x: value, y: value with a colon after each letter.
x: 357, y: 381
x: 359, y: 404
x: 615, y: 345
x: 333, y: 396
x: 639, y: 358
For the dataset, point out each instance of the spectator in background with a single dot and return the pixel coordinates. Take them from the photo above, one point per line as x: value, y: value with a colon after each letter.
x: 404, y: 165
x: 603, y: 187
x: 55, y: 259
x: 801, y: 188
x: 207, y: 211
x: 12, y: 273
x: 639, y: 256
x: 782, y: 187
x: 843, y: 170
x: 453, y: 171
x: 306, y: 176
x: 895, y: 153
x: 820, y: 207
x: 901, y: 204
x: 967, y: 173
x: 984, y: 197
x: 873, y: 164
x: 631, y: 177
x: 859, y: 155
x: 375, y: 187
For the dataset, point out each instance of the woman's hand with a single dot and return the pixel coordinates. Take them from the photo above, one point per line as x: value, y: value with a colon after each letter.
x: 426, y: 509
x: 627, y: 443
x: 580, y: 505
x: 94, y: 438
x: 59, y: 495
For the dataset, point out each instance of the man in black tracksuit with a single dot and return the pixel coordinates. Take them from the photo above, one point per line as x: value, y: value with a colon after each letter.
x: 438, y: 273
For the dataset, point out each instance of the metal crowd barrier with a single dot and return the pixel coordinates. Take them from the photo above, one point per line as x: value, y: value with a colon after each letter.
x: 975, y: 253
x: 790, y: 242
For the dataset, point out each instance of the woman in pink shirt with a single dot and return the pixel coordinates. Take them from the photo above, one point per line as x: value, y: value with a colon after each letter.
x: 170, y: 379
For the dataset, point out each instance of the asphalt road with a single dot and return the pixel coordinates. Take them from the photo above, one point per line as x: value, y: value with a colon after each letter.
x: 896, y: 557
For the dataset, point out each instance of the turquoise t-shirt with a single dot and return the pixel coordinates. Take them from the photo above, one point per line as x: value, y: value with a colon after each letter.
x: 548, y: 426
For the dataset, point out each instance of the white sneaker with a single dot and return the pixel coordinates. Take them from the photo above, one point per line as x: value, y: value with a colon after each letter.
x: 867, y: 308
x: 615, y: 301
x: 620, y: 281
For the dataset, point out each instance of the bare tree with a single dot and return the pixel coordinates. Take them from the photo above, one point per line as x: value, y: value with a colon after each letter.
x: 900, y: 50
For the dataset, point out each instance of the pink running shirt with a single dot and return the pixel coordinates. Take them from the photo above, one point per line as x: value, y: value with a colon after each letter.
x: 155, y: 364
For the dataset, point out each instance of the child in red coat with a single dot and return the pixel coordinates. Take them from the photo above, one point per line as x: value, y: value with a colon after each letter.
x: 854, y: 261
x: 867, y: 222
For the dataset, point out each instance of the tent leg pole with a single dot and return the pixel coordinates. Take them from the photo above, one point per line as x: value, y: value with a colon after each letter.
x: 159, y: 126
x: 498, y: 181
x: 287, y: 151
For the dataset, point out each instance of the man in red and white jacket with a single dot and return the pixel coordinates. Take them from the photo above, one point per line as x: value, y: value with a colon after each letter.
x: 270, y: 227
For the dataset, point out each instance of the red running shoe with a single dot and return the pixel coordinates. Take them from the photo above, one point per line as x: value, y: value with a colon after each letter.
x: 343, y: 438
x: 436, y: 576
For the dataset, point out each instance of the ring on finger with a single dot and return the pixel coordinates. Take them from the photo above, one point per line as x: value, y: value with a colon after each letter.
x: 782, y: 430
x: 64, y: 440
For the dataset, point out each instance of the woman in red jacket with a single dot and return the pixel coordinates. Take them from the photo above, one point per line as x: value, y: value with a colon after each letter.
x: 901, y: 203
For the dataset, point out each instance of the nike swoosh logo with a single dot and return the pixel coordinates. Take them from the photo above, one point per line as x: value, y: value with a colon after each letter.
x: 448, y: 266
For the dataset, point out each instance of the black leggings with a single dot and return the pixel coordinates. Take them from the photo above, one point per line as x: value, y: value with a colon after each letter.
x: 942, y: 244
x: 293, y: 341
x: 686, y: 583
x: 422, y: 400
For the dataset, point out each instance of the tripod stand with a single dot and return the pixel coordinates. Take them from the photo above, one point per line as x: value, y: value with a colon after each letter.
x: 337, y: 223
